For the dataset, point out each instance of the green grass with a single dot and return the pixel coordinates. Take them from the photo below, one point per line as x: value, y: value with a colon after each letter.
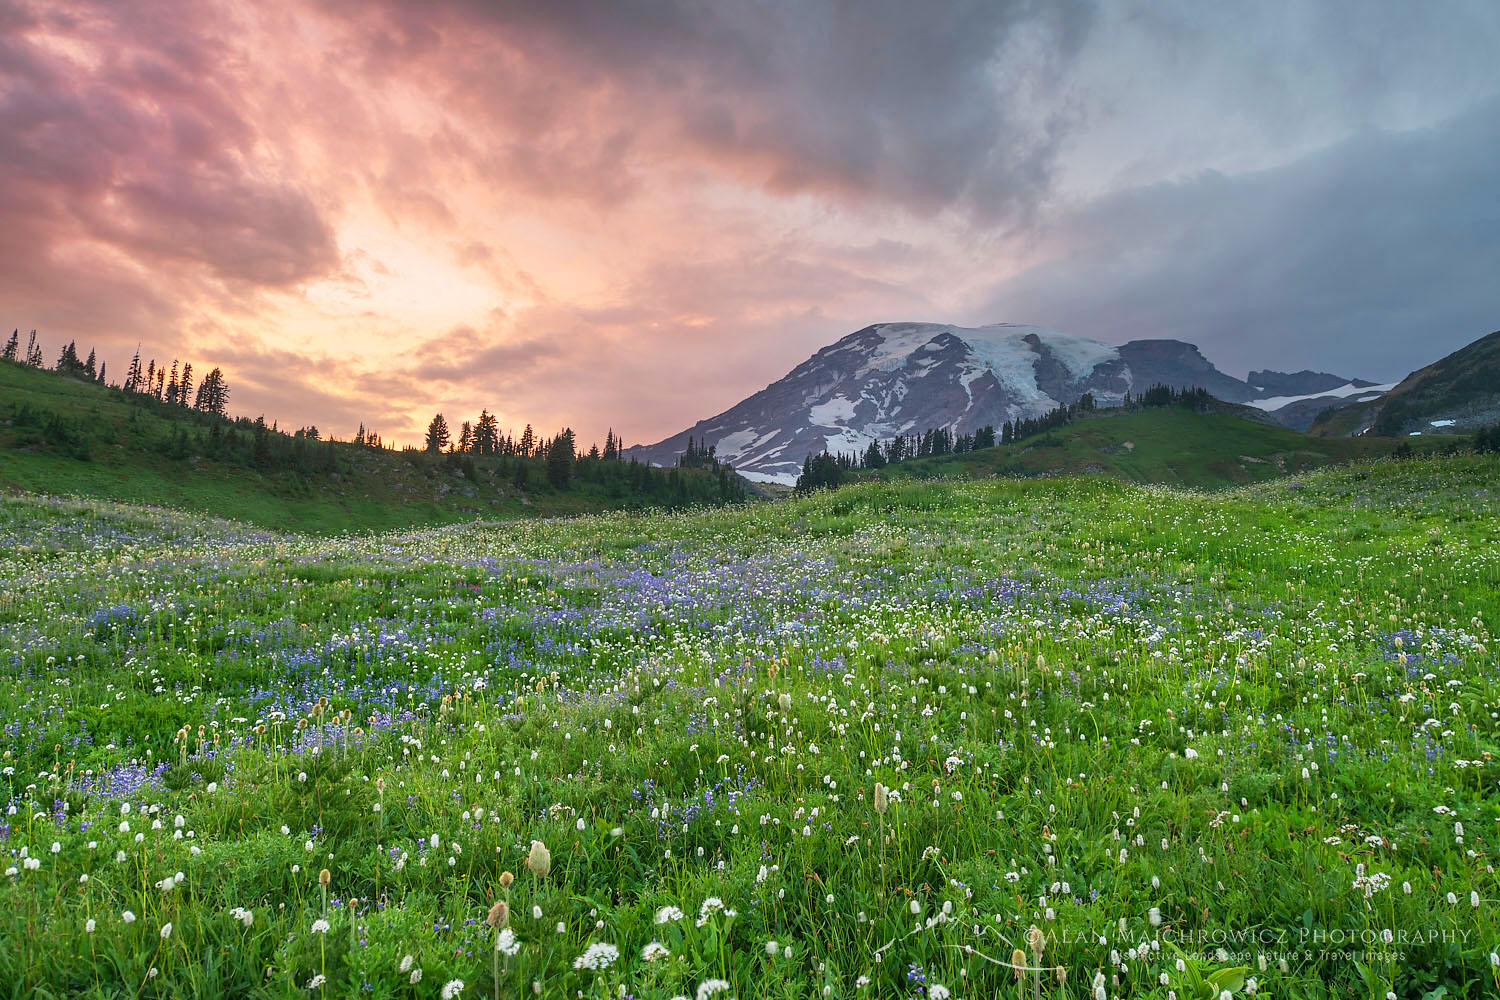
x: 1234, y: 730
x: 113, y: 445
x: 1170, y: 445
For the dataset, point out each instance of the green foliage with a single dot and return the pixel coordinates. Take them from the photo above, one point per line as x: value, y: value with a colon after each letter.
x: 1170, y: 444
x: 72, y: 436
x: 1193, y: 739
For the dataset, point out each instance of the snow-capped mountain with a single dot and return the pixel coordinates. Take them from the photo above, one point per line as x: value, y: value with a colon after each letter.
x: 903, y: 378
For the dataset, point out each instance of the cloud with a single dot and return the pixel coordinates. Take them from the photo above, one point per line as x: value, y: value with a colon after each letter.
x: 906, y: 103
x: 1369, y: 259
x: 637, y: 212
x: 131, y: 179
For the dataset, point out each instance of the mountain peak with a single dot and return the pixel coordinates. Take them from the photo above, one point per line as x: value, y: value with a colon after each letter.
x: 903, y: 378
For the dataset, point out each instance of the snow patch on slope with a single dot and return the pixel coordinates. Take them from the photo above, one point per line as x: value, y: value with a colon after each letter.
x: 834, y: 413
x: 1277, y: 402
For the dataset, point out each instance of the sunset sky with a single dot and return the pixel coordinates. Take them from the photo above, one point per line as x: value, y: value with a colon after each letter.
x: 635, y: 214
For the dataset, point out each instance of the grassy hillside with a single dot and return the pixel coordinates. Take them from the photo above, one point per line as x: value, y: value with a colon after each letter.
x: 68, y: 436
x: 1463, y: 387
x: 851, y: 746
x: 1169, y: 444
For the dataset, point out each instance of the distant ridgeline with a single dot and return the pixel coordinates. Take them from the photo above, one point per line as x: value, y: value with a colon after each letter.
x: 168, y: 416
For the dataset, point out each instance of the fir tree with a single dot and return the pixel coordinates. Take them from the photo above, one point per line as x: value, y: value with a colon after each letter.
x: 213, y: 394
x: 133, y: 375
x: 560, y: 455
x: 12, y: 346
x: 437, y: 434
x: 487, y: 434
x: 67, y: 361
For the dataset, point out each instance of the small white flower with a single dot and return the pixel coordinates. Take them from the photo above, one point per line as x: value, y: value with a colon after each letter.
x: 654, y: 951
x: 709, y: 987
x: 166, y: 930
x: 320, y: 926
x: 128, y: 917
x: 452, y: 988
x: 597, y: 957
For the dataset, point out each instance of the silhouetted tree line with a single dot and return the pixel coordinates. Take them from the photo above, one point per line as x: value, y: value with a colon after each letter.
x: 559, y: 460
x: 1195, y: 398
x: 823, y: 472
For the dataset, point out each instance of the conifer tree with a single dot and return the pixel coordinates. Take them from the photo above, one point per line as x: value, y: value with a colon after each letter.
x: 33, y: 351
x: 437, y: 434
x: 487, y: 434
x: 67, y: 361
x: 560, y: 459
x: 133, y: 373
x: 466, y: 437
x: 12, y: 346
x: 185, y: 384
x: 213, y: 394
x: 90, y: 367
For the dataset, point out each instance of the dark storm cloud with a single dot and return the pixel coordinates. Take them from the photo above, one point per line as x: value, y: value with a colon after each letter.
x: 1369, y: 259
x: 922, y: 106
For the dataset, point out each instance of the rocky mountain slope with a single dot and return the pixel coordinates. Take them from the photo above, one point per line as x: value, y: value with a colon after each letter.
x: 1456, y: 394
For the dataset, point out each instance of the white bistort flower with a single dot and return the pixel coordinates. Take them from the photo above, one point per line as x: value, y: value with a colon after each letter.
x: 709, y: 987
x: 597, y: 957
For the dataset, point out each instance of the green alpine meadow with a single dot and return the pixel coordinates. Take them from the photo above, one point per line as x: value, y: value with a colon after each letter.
x: 1009, y: 738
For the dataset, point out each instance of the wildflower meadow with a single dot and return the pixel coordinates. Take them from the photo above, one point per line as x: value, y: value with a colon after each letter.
x: 1027, y: 739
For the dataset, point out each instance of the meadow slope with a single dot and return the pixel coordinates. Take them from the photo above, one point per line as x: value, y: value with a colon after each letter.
x: 67, y: 436
x: 852, y: 745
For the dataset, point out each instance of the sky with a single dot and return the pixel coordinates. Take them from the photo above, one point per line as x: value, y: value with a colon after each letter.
x: 628, y: 214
